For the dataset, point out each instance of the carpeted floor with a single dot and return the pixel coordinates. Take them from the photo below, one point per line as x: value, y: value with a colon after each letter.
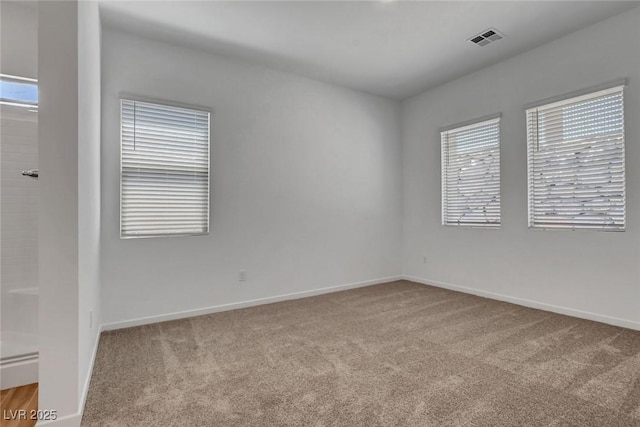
x: 397, y: 354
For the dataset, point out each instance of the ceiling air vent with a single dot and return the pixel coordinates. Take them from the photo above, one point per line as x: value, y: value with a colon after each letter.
x: 486, y: 37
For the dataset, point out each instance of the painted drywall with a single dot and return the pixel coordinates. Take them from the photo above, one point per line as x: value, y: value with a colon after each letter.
x: 590, y: 271
x: 18, y: 194
x: 19, y: 39
x: 89, y: 89
x: 19, y: 233
x: 305, y: 184
x: 58, y: 206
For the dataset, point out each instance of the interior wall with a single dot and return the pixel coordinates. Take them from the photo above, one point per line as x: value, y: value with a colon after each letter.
x: 19, y: 233
x: 89, y: 89
x: 19, y: 39
x: 583, y: 271
x: 305, y: 184
x: 58, y: 206
x: 19, y: 195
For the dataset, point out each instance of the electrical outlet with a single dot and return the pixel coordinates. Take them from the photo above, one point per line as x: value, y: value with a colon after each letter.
x: 242, y: 275
x: 424, y: 259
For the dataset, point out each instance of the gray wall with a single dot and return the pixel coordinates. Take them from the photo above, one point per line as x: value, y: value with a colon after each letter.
x: 19, y: 231
x: 58, y: 207
x: 88, y: 187
x: 588, y: 273
x: 305, y: 184
x: 19, y: 41
x: 19, y: 195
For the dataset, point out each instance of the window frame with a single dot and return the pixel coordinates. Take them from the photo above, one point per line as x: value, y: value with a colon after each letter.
x: 469, y: 124
x: 18, y: 102
x: 568, y: 99
x: 163, y: 103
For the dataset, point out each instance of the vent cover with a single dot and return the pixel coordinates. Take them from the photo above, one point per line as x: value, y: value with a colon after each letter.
x: 487, y: 36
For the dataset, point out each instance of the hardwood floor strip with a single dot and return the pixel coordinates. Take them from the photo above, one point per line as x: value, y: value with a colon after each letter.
x: 15, y: 399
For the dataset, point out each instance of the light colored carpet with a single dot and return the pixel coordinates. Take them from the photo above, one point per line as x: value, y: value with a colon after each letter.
x: 397, y: 354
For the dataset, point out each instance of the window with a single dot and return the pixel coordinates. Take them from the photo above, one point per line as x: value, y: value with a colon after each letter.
x: 18, y: 91
x: 164, y: 177
x: 471, y: 174
x: 576, y: 162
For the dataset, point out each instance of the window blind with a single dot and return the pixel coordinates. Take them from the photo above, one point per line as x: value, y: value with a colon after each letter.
x: 471, y: 174
x: 576, y: 162
x: 164, y: 181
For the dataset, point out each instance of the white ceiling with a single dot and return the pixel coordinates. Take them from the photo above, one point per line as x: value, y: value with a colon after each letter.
x: 391, y: 48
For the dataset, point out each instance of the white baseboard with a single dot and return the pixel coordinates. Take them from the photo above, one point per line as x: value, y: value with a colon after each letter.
x: 75, y: 419
x: 72, y: 420
x: 529, y: 303
x: 242, y: 304
x: 19, y: 372
x: 87, y: 382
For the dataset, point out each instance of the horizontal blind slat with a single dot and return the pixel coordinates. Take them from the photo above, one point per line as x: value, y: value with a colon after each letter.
x: 471, y: 175
x: 164, y: 170
x: 576, y: 163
